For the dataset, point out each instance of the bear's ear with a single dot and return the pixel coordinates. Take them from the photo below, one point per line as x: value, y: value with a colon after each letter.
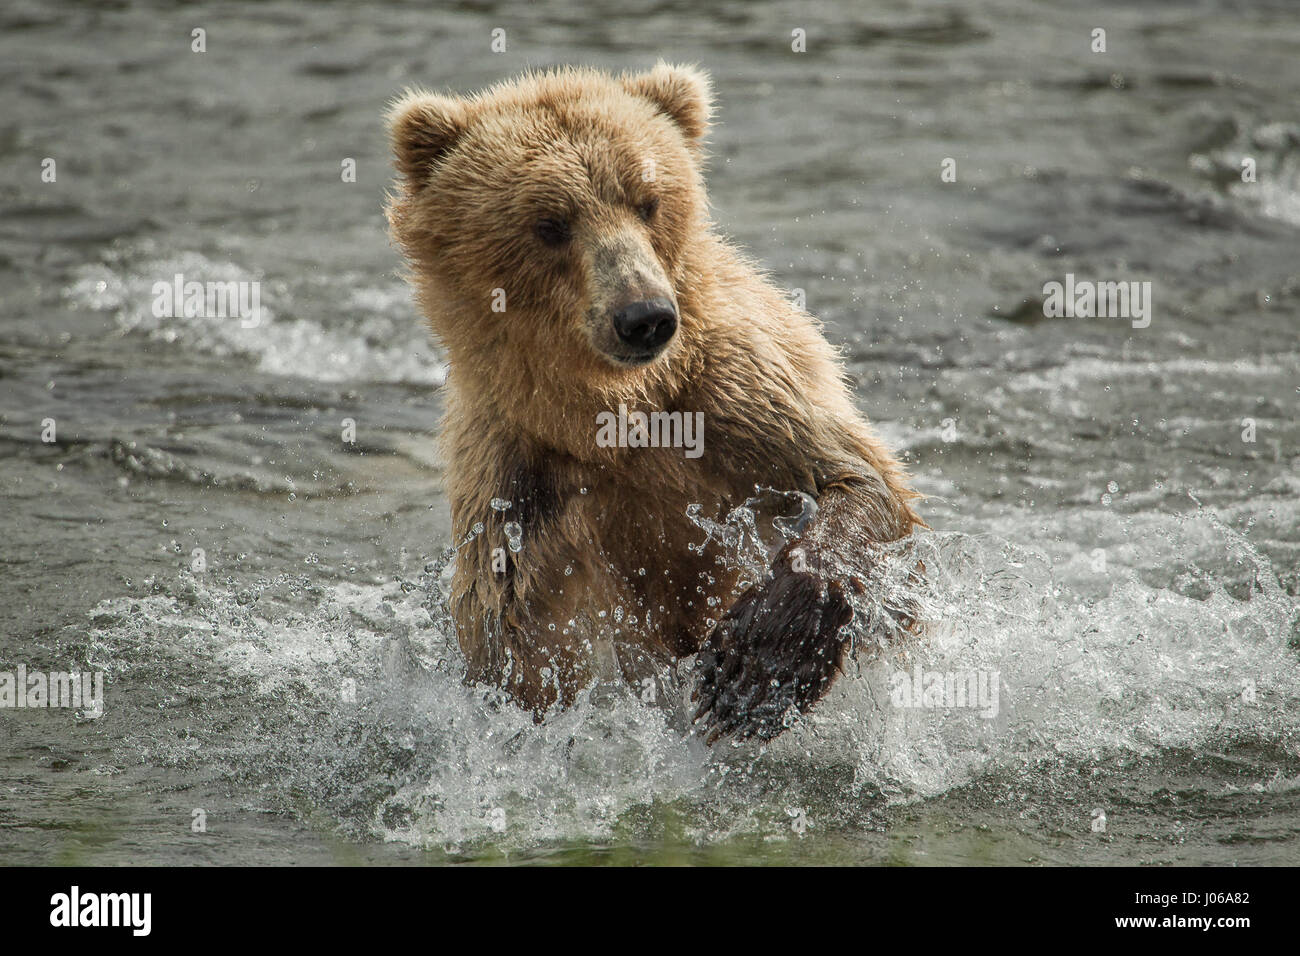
x: 423, y: 126
x: 681, y: 92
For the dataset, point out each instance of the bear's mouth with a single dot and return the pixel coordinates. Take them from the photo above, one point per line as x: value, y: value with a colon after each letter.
x: 636, y: 359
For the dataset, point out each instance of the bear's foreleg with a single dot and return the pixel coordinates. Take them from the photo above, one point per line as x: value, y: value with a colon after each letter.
x: 525, y: 582
x: 779, y: 648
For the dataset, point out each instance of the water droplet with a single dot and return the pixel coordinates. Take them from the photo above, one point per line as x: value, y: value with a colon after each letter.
x: 514, y: 535
x: 500, y: 504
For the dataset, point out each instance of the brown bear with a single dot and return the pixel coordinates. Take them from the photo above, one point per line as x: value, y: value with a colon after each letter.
x: 559, y: 240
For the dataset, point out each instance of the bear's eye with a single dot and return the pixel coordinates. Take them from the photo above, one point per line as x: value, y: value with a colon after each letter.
x: 552, y: 230
x: 648, y: 209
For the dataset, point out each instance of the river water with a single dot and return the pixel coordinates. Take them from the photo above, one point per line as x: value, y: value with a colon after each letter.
x: 1116, y: 537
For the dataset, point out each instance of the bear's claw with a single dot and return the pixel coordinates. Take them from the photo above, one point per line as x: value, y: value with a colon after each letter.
x: 778, y: 648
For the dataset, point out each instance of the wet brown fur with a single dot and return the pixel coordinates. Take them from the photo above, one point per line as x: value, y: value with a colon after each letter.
x: 525, y: 387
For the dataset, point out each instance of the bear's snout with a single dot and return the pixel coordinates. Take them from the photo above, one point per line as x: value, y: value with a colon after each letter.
x: 646, y: 326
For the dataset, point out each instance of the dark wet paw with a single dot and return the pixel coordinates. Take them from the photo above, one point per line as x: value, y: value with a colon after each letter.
x: 774, y: 653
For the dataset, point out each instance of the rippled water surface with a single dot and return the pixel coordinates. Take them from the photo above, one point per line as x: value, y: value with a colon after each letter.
x: 1103, y: 540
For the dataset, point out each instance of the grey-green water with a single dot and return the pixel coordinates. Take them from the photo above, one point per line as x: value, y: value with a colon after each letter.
x: 1104, y: 537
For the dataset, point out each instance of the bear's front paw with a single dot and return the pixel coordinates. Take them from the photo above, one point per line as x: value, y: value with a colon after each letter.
x: 778, y: 648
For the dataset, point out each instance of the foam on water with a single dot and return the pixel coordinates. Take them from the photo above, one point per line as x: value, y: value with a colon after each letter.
x: 361, y: 332
x: 343, y: 703
x: 1272, y: 148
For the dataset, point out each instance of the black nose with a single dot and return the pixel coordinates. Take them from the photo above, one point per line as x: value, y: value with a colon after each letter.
x: 646, y: 325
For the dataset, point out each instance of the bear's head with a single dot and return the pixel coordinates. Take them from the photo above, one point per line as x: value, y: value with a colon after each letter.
x: 549, y: 220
